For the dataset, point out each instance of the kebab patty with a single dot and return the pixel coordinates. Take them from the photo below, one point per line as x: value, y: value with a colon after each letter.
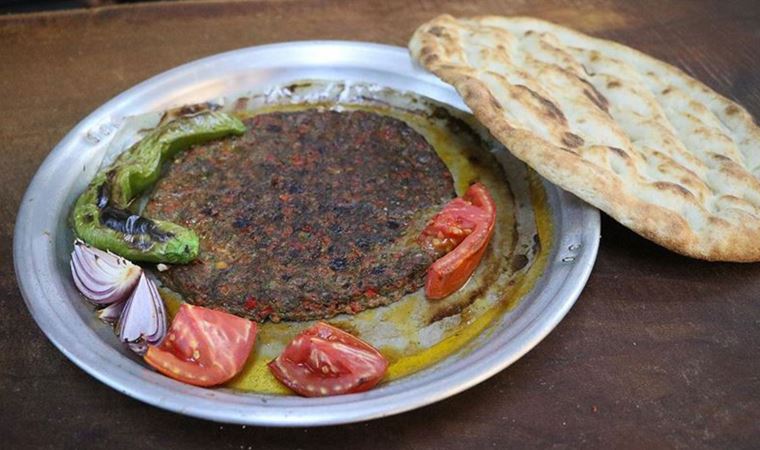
x: 307, y: 215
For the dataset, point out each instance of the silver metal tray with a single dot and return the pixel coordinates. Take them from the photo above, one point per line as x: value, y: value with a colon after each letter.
x: 42, y: 244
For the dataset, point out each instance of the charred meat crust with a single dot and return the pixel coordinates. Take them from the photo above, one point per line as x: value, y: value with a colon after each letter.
x: 308, y: 215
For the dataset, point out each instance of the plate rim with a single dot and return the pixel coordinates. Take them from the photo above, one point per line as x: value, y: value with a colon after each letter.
x: 266, y: 410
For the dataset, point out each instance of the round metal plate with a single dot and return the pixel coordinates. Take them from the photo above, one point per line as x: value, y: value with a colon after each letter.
x: 42, y: 244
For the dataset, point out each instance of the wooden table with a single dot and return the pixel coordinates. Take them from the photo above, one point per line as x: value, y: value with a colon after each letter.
x: 659, y: 351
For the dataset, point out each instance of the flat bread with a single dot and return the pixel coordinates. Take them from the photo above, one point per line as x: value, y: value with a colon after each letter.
x: 657, y: 150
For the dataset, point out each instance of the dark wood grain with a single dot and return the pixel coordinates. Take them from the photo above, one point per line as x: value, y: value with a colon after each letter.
x: 659, y: 352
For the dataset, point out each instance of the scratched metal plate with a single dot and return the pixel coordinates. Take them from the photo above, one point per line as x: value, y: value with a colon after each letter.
x: 42, y: 243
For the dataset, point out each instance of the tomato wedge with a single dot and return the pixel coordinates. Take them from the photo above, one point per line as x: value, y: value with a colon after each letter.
x: 463, y: 229
x: 204, y: 347
x: 324, y: 360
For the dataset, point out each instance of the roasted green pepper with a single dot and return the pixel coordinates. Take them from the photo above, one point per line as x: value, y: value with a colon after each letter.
x: 101, y: 216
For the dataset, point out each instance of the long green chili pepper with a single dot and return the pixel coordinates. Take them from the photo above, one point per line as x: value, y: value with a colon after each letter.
x: 101, y: 216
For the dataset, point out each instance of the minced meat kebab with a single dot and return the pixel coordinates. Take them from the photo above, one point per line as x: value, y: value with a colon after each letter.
x: 307, y: 215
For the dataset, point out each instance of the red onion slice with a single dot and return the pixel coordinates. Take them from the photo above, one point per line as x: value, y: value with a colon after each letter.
x: 143, y: 320
x: 102, y: 277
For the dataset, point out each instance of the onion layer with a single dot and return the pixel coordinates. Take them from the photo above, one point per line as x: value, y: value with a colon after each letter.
x: 143, y: 320
x: 102, y: 277
x: 111, y: 313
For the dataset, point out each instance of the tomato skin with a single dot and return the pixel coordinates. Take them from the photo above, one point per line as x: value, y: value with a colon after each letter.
x: 475, y: 215
x: 203, y: 347
x: 324, y: 360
